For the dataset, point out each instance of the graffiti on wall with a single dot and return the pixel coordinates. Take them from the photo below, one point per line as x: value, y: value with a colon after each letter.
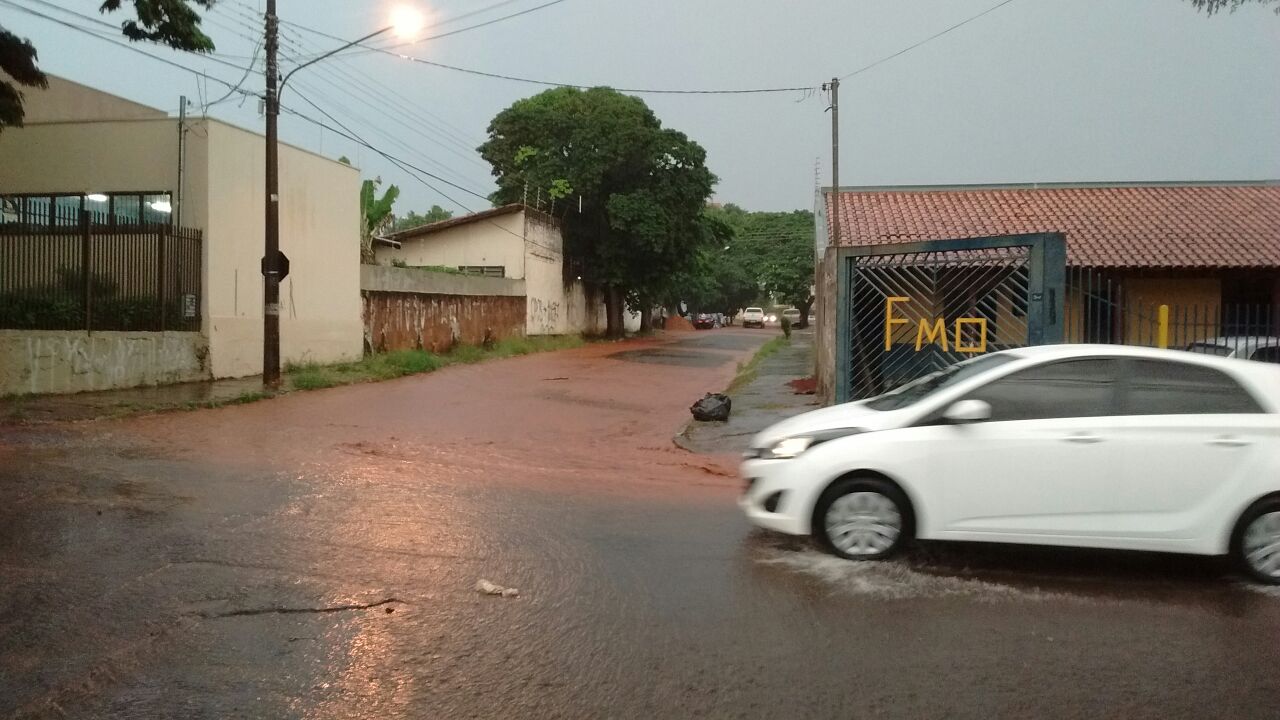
x: 544, y: 316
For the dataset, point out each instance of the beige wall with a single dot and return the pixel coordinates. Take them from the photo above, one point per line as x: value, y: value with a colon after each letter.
x: 494, y: 241
x: 319, y: 231
x: 36, y: 361
x: 67, y: 101
x: 223, y: 196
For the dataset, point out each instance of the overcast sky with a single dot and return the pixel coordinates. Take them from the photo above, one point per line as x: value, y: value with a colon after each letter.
x: 1034, y: 91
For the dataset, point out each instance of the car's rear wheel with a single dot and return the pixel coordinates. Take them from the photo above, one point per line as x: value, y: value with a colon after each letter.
x: 863, y: 519
x: 1256, y: 542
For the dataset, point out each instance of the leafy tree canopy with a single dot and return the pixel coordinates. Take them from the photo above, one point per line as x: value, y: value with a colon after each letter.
x: 169, y: 22
x: 413, y: 219
x: 774, y: 248
x: 1212, y: 6
x: 641, y: 187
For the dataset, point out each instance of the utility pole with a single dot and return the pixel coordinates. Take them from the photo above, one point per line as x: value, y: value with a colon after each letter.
x: 835, y: 161
x: 271, y: 252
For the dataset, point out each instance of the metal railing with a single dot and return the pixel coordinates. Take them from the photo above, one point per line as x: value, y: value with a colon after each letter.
x: 1100, y: 309
x: 83, y: 273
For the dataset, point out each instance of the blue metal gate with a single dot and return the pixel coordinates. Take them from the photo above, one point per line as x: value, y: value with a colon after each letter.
x: 907, y: 309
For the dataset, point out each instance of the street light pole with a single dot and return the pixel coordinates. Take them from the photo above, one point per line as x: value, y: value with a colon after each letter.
x: 270, y: 264
x: 271, y: 245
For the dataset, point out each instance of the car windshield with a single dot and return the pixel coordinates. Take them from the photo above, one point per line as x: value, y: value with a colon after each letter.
x: 754, y: 310
x: 1210, y: 349
x: 921, y: 388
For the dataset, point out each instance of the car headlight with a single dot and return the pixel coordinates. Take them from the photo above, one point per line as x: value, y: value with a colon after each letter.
x: 791, y: 447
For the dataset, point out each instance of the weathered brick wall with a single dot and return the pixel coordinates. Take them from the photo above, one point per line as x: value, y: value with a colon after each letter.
x: 408, y: 320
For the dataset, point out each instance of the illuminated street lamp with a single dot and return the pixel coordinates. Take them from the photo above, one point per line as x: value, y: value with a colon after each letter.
x: 405, y: 23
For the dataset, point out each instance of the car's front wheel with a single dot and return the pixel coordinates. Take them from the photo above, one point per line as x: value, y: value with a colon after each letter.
x: 863, y: 519
x: 1256, y: 542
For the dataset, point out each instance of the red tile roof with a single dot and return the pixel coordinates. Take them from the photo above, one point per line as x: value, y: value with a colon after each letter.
x: 1165, y: 226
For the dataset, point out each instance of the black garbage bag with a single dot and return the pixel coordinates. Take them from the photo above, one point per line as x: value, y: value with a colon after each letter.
x: 714, y: 406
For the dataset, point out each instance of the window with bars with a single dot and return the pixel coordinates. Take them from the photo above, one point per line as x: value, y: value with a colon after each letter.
x: 62, y: 209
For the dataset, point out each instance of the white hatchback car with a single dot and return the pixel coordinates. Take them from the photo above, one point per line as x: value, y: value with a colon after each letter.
x: 1079, y: 445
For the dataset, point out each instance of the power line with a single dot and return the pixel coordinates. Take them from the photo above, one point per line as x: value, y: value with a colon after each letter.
x: 931, y: 38
x: 550, y: 83
x: 354, y: 137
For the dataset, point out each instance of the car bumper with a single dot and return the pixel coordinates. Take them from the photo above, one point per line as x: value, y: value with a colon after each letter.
x: 770, y: 500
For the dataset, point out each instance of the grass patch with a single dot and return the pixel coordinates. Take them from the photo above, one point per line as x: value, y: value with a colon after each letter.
x: 385, y: 366
x: 750, y: 369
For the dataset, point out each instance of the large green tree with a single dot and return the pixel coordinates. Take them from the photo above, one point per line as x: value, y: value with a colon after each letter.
x: 629, y: 192
x: 170, y: 22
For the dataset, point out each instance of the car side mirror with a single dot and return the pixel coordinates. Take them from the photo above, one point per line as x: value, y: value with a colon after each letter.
x: 968, y: 411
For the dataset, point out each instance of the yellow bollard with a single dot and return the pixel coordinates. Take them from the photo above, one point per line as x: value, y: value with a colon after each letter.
x: 1162, y: 329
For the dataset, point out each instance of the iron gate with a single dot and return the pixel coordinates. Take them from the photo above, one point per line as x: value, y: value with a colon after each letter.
x: 907, y: 309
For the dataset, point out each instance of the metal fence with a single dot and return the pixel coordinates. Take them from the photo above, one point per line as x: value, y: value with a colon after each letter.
x: 84, y: 273
x: 1099, y: 309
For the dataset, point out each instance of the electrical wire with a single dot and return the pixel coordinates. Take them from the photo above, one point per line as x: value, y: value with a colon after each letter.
x: 550, y: 83
x: 931, y: 38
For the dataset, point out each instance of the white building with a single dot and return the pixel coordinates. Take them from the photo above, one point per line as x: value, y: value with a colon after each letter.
x: 82, y: 148
x: 511, y: 241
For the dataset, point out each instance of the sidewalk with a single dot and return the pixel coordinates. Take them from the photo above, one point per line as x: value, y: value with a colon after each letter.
x: 760, y: 403
x: 78, y: 407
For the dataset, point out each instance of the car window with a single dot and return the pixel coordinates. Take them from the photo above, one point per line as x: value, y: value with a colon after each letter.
x: 1210, y: 349
x: 1267, y: 354
x: 1063, y: 389
x: 1163, y: 387
x: 921, y: 388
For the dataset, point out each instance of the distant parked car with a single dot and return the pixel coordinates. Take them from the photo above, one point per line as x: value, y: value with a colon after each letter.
x: 705, y: 321
x: 792, y: 315
x: 753, y: 317
x: 1262, y: 349
x: 813, y: 319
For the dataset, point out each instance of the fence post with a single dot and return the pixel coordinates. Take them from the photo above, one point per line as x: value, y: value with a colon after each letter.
x: 162, y: 286
x: 1162, y: 330
x: 86, y: 274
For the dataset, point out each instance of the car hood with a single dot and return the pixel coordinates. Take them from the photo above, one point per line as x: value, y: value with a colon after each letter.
x: 847, y: 415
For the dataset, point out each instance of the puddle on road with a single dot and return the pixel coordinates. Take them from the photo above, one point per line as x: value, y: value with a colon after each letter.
x: 895, y: 580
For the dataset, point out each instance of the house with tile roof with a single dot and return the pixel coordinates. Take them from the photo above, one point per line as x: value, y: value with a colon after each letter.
x: 1208, y: 251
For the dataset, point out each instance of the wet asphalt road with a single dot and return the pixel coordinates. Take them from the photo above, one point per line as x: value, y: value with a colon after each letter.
x: 315, y: 557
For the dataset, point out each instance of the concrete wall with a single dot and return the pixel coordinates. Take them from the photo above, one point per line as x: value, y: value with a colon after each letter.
x: 378, y: 278
x: 34, y: 361
x: 407, y: 308
x: 320, y: 306
x: 492, y: 241
x: 548, y: 299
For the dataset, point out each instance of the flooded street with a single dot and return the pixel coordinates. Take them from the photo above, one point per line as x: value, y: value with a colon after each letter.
x: 316, y: 556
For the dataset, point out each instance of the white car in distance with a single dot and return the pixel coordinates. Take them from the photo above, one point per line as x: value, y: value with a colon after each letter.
x: 1095, y: 446
x: 753, y: 317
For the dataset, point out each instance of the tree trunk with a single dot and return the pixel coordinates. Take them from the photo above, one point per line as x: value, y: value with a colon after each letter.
x: 646, y: 317
x: 804, y: 309
x: 613, y: 311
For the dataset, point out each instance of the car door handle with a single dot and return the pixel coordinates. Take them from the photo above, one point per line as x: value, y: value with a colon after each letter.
x: 1228, y: 441
x: 1083, y: 438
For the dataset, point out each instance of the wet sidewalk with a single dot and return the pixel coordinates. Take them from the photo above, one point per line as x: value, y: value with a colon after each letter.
x: 763, y: 401
x: 79, y: 407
